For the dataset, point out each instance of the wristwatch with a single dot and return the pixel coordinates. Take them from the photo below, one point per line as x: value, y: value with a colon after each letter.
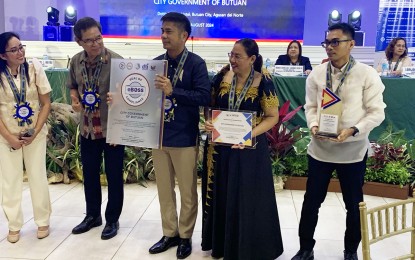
x: 355, y: 131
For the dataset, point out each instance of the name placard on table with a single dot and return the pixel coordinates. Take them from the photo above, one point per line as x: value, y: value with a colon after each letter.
x: 288, y: 70
x: 136, y: 113
x: 409, y: 71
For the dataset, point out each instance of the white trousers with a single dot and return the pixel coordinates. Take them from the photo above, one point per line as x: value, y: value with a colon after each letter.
x: 11, y: 182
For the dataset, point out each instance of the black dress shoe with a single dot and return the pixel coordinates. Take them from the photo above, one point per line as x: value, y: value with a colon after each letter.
x: 110, y: 230
x: 86, y: 224
x: 350, y: 256
x: 164, y: 244
x: 304, y: 255
x: 184, y: 249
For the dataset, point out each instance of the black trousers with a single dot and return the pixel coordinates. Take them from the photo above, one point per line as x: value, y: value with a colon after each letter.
x: 351, y: 177
x: 91, y: 155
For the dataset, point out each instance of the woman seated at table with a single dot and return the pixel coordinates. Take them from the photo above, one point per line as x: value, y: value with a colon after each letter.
x: 396, y: 57
x: 294, y: 57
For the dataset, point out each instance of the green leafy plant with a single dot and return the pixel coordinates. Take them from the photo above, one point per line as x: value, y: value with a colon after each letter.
x: 391, y: 162
x: 296, y: 165
x: 60, y: 140
x: 278, y: 166
x: 134, y: 165
x: 395, y: 172
x: 296, y: 161
x: 281, y: 138
x: 72, y: 156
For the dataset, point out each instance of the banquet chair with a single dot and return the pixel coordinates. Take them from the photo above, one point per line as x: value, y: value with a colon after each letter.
x: 387, y: 221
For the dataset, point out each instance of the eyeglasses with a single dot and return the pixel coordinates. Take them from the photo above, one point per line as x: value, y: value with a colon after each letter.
x: 399, y: 46
x: 90, y: 42
x: 235, y: 56
x: 333, y: 43
x: 21, y: 48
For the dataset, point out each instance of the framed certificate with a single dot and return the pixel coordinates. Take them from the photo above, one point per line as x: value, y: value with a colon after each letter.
x: 233, y: 127
x: 136, y: 113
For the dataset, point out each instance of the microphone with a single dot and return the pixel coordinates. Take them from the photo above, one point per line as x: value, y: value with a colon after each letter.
x: 191, y: 37
x: 67, y: 64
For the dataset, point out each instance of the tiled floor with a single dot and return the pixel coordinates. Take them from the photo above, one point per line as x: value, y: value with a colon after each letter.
x: 140, y: 227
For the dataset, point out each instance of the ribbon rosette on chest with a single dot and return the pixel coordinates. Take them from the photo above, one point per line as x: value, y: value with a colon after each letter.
x: 23, y: 113
x: 91, y: 100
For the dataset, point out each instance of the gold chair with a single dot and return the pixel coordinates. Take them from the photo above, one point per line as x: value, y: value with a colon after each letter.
x: 381, y: 218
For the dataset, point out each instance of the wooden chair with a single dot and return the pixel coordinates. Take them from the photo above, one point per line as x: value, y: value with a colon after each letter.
x: 381, y: 218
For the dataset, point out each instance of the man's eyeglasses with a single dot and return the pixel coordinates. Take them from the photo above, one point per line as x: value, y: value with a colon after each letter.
x: 332, y: 43
x: 21, y: 48
x: 90, y: 42
x: 235, y: 56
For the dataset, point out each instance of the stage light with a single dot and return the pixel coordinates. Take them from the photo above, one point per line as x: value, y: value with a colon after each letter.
x: 355, y: 20
x: 334, y: 17
x: 70, y: 15
x: 53, y: 16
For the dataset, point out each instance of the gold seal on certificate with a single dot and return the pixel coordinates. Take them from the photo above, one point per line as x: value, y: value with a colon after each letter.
x: 233, y: 127
x: 330, y: 113
x: 136, y: 113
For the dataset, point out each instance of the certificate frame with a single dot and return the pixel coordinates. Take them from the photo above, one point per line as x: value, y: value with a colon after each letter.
x: 232, y: 127
x: 136, y: 112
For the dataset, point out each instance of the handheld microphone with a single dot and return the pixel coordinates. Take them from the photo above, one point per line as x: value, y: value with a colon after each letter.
x: 67, y: 64
x: 191, y: 37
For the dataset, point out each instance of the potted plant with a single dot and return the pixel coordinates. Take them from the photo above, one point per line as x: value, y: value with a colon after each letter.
x: 297, y: 163
x: 281, y: 139
x: 388, y: 171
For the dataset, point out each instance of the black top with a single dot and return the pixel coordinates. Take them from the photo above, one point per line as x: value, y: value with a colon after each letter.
x: 191, y: 91
x: 285, y: 60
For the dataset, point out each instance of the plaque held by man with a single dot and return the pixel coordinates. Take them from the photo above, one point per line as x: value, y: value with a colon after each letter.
x: 136, y: 113
x: 330, y: 115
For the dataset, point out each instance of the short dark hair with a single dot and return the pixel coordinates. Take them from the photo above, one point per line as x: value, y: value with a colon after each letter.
x: 346, y: 28
x: 180, y: 19
x: 251, y: 48
x: 299, y: 47
x: 84, y: 24
x: 391, y: 47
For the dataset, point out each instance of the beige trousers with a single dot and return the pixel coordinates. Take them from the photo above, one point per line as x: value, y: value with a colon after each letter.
x: 179, y: 162
x: 11, y: 182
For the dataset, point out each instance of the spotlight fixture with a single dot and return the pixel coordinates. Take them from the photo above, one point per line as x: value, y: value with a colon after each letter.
x: 53, y: 16
x: 334, y: 17
x: 355, y: 20
x: 70, y: 15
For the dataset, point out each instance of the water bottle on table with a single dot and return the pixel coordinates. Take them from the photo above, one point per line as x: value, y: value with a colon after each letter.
x: 385, y: 69
x: 268, y: 64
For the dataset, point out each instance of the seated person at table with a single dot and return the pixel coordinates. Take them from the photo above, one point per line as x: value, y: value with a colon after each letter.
x: 294, y: 57
x: 396, y: 57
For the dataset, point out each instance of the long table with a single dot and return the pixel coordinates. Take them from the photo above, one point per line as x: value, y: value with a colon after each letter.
x: 398, y: 96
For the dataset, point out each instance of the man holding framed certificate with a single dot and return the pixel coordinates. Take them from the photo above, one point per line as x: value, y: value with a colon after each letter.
x: 344, y: 103
x: 186, y: 87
